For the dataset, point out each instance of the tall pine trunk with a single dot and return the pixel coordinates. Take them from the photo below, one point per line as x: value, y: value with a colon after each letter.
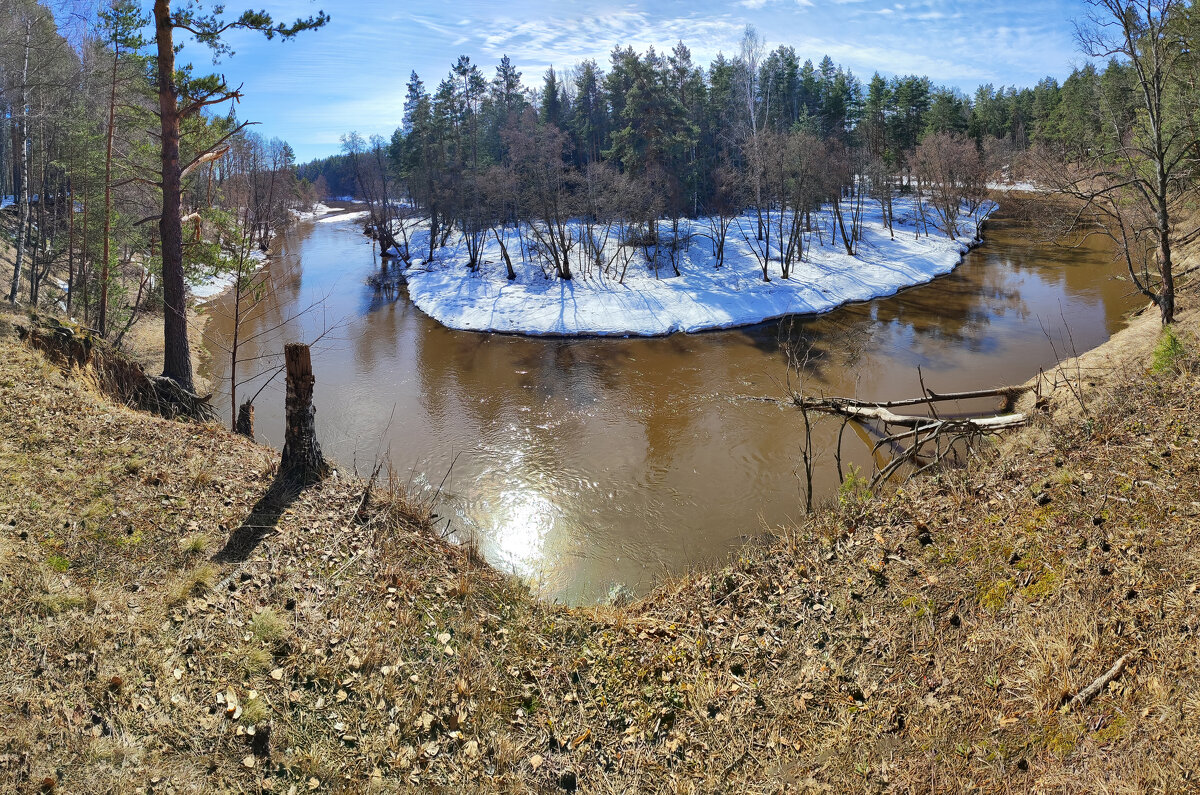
x: 108, y: 147
x: 177, y: 354
x: 70, y: 244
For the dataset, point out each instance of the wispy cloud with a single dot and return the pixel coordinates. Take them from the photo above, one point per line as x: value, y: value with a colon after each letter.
x: 566, y: 41
x: 351, y: 75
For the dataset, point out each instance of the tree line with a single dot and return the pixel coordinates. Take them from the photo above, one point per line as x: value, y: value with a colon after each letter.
x: 124, y: 174
x: 654, y: 137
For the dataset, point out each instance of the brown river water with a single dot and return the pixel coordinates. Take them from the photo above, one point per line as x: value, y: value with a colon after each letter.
x: 585, y: 464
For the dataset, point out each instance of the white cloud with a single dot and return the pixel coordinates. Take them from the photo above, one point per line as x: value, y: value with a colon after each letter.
x: 567, y: 41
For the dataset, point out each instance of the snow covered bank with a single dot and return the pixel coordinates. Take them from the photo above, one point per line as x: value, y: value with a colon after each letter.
x: 210, y: 287
x: 1019, y: 187
x: 352, y: 216
x: 702, y: 297
x: 316, y: 212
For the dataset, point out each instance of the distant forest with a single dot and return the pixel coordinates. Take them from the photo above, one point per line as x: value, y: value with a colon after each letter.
x: 696, y: 116
x: 657, y: 136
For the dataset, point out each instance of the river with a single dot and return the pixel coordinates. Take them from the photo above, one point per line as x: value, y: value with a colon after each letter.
x: 585, y: 464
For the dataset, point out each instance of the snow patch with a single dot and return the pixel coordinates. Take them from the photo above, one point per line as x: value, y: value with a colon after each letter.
x: 702, y: 297
x: 318, y: 210
x: 354, y: 216
x: 1019, y: 187
x: 210, y: 287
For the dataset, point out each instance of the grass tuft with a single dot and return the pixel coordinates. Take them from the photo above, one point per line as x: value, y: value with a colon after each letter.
x: 193, y: 583
x: 1168, y: 354
x: 268, y: 627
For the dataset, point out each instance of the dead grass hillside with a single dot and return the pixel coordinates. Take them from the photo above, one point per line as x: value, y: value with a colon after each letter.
x: 174, y: 623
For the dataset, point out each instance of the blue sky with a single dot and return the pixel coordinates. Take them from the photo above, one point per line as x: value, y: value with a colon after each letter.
x: 351, y: 75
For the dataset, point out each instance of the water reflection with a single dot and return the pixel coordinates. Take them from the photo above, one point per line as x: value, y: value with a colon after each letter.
x: 583, y: 463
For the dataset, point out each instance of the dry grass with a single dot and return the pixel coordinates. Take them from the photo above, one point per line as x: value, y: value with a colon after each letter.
x: 921, y: 642
x: 144, y: 344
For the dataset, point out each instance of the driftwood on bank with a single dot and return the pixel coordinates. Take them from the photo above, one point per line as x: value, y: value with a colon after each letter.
x: 927, y: 440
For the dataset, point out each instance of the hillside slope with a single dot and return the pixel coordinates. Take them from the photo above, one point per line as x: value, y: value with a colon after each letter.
x: 173, y: 623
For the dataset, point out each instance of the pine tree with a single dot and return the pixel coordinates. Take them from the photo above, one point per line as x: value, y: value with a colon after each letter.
x: 181, y: 97
x: 551, y: 111
x: 121, y: 25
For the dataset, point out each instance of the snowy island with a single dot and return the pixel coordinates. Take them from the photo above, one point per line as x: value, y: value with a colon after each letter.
x: 653, y: 301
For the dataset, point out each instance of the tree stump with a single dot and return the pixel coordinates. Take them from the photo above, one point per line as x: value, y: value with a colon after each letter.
x: 245, y: 420
x: 302, y: 459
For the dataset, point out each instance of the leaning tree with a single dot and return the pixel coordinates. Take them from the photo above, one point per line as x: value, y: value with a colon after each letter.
x: 1132, y: 182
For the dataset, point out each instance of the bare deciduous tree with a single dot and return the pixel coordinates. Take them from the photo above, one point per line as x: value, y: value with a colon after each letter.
x: 1133, y: 185
x: 949, y: 168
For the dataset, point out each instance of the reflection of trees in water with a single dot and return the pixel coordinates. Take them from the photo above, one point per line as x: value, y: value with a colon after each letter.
x: 1025, y: 248
x: 814, y: 345
x: 952, y: 311
x: 568, y: 374
x: 949, y: 311
x: 1014, y: 275
x: 559, y: 392
x: 376, y: 338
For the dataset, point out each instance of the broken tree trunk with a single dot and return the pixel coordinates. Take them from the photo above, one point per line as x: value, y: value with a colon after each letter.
x: 302, y: 459
x: 245, y: 420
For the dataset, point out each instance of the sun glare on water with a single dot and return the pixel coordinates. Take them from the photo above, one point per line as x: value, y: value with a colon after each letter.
x: 523, y: 521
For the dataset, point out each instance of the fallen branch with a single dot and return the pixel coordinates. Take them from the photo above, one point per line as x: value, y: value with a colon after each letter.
x: 1009, y: 393
x: 1092, y: 690
x: 946, y: 434
x: 887, y: 417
